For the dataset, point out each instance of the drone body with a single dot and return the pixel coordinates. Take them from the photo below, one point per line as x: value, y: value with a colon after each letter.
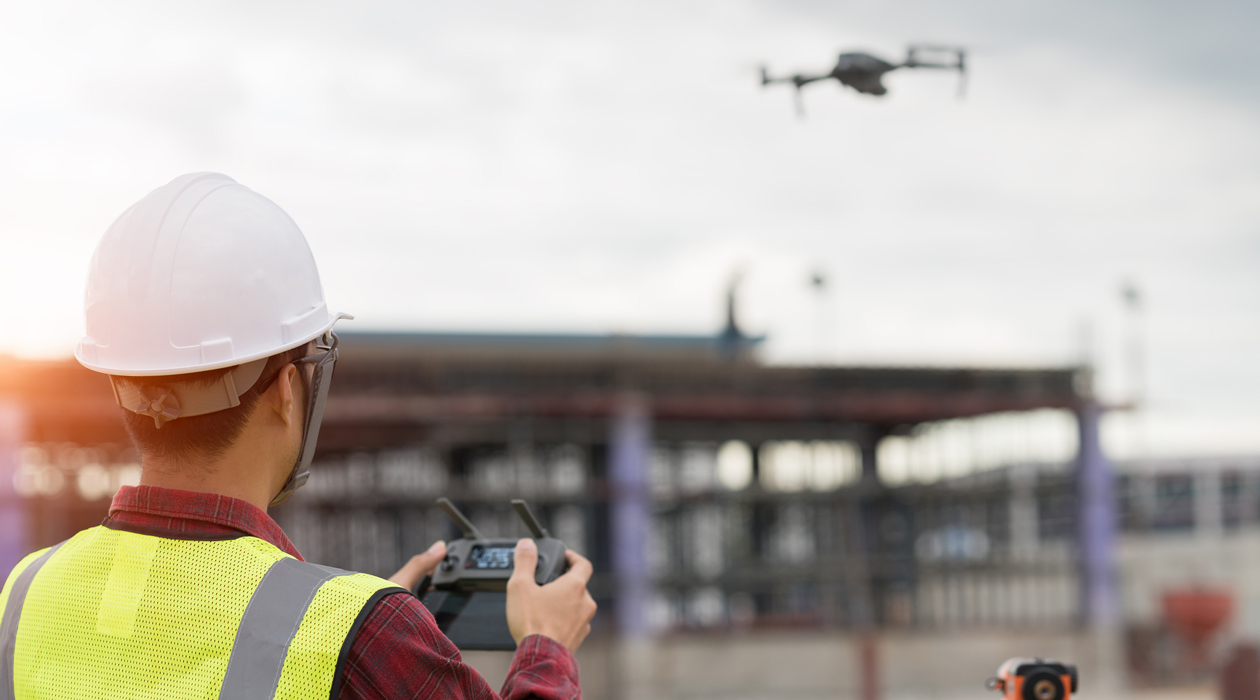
x: 862, y: 72
x: 865, y: 73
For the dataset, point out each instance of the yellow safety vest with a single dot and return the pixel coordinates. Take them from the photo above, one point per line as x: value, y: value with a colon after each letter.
x: 115, y: 614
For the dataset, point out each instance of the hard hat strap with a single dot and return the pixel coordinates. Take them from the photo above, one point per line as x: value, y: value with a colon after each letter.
x: 316, y: 397
x: 164, y: 403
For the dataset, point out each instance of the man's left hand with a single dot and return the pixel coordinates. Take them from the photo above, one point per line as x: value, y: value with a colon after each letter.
x: 409, y: 576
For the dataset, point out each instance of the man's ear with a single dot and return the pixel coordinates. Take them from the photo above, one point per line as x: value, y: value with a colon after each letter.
x: 283, y: 401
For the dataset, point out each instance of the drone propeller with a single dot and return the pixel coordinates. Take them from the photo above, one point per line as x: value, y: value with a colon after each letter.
x: 797, y: 81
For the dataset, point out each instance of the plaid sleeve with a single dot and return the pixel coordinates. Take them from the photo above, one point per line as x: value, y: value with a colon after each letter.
x: 542, y: 668
x: 400, y: 653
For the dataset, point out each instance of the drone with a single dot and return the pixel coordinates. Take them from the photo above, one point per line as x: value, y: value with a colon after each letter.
x: 865, y: 73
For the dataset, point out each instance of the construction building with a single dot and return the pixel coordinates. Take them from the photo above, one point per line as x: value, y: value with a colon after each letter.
x: 714, y: 493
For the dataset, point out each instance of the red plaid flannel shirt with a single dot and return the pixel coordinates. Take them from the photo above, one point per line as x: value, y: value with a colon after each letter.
x: 399, y: 651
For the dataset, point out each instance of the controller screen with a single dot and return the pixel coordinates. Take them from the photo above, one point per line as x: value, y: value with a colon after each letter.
x: 490, y: 558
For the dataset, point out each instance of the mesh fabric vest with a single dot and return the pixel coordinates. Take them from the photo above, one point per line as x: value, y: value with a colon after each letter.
x: 115, y: 614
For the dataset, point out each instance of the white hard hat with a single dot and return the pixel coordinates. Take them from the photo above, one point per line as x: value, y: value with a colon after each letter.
x: 201, y: 274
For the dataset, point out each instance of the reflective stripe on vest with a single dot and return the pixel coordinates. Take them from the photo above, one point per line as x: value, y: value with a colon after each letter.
x: 118, y: 614
x: 9, y: 620
x: 271, y: 619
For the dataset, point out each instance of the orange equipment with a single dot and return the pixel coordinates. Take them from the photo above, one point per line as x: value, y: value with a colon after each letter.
x: 1034, y: 679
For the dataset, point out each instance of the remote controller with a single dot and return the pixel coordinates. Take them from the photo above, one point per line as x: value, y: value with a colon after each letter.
x: 468, y: 597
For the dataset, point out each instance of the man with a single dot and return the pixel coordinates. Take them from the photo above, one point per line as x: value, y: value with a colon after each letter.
x: 205, y: 309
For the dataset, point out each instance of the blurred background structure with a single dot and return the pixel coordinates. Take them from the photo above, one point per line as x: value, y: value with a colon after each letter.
x: 908, y: 513
x: 938, y: 438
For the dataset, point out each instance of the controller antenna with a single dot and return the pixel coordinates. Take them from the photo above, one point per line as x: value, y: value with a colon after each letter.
x: 522, y: 509
x: 465, y: 525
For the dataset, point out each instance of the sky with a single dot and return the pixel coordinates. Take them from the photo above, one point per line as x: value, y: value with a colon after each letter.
x: 609, y: 167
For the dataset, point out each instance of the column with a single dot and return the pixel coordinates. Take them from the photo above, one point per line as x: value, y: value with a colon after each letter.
x: 1209, y: 521
x: 629, y: 452
x: 1145, y: 483
x: 1100, y: 585
x: 13, y: 543
x: 1250, y: 498
x: 869, y: 447
x: 864, y: 598
x: 629, y: 449
x: 1022, y: 509
x: 1096, y: 504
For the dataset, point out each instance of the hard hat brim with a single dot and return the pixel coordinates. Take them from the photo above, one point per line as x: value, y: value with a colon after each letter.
x: 81, y: 352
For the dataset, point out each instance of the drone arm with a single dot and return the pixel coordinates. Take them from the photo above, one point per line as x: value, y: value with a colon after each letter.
x: 960, y: 66
x: 919, y: 64
x: 798, y: 80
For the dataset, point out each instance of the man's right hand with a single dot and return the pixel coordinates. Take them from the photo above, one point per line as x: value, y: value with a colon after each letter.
x: 561, y: 610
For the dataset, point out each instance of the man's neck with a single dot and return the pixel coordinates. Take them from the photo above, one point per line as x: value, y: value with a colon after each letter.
x: 172, y: 478
x: 233, y: 474
x: 254, y: 467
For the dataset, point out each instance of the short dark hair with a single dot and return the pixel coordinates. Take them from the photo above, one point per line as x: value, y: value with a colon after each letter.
x: 197, y: 440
